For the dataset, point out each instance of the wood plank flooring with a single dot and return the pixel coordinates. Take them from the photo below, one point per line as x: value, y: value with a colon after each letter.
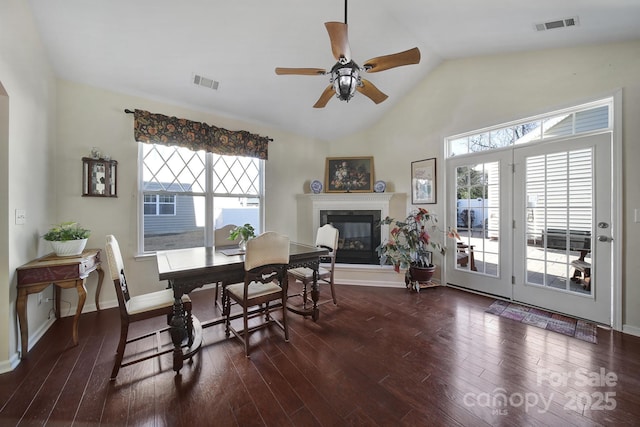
x: 382, y: 357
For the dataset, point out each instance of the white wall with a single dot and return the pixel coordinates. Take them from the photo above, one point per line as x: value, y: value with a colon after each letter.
x: 467, y: 94
x: 27, y: 154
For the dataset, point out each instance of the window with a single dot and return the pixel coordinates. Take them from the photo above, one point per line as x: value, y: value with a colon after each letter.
x: 582, y: 119
x: 159, y: 204
x: 185, y: 195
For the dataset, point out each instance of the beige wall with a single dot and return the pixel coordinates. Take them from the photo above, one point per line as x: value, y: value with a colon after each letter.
x: 467, y: 94
x: 27, y: 163
x: 90, y: 117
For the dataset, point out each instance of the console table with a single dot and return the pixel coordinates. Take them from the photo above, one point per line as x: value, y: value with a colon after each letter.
x: 63, y: 272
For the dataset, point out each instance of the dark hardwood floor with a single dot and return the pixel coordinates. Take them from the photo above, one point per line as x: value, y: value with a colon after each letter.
x: 382, y: 357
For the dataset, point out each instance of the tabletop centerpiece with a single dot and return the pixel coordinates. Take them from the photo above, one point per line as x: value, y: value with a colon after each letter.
x: 242, y: 233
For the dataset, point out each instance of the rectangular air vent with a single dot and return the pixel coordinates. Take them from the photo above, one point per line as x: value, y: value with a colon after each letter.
x: 205, y: 82
x: 561, y: 23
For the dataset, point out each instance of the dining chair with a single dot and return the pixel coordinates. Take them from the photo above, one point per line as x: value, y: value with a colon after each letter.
x: 265, y: 281
x: 327, y: 237
x: 139, y: 307
x: 220, y: 239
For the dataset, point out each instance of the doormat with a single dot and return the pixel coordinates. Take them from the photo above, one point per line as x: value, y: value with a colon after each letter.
x: 543, y: 319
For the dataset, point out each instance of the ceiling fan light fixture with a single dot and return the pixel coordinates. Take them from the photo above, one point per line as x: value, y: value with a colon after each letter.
x: 345, y: 79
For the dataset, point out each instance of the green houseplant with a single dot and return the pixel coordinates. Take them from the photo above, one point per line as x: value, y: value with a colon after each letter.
x: 242, y: 233
x: 411, y: 244
x: 67, y: 238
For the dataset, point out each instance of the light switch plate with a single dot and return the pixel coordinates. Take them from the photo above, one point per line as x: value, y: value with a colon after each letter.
x: 21, y: 216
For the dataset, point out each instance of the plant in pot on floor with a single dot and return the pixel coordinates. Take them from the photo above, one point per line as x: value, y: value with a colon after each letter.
x: 242, y: 233
x: 410, y: 244
x: 67, y: 238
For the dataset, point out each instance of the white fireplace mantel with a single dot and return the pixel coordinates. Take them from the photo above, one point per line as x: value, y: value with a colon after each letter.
x: 310, y: 205
x: 389, y: 204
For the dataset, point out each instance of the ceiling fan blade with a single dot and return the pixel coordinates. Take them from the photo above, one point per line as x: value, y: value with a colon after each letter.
x: 381, y: 63
x: 368, y: 89
x: 301, y: 71
x: 325, y: 97
x: 338, y: 34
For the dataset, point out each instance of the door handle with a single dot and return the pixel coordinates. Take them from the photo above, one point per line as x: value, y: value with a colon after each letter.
x: 604, y: 239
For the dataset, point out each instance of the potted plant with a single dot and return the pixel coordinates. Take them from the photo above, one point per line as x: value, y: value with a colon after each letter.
x: 411, y: 245
x: 242, y: 233
x: 67, y: 238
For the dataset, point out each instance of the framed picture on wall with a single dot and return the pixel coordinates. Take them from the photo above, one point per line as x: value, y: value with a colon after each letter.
x: 349, y: 175
x: 423, y: 181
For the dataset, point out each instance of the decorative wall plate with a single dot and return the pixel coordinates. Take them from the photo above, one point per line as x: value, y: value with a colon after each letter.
x: 316, y: 186
x: 379, y: 186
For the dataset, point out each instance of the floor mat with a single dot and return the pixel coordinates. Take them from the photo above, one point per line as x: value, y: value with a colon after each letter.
x: 543, y: 319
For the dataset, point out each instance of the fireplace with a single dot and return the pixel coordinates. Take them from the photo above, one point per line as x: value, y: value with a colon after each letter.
x: 368, y: 209
x: 359, y: 234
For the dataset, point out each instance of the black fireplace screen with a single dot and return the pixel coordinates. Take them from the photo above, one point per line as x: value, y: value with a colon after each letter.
x: 359, y: 234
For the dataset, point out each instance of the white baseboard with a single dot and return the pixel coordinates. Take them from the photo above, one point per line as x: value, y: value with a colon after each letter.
x: 10, y: 365
x: 378, y: 284
x: 631, y: 330
x: 39, y: 333
x: 368, y: 275
x: 14, y: 360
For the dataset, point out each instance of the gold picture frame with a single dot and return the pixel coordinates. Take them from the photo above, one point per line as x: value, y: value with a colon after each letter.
x: 423, y: 181
x: 349, y: 175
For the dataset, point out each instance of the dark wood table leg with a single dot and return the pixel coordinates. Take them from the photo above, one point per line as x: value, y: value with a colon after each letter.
x: 315, y: 296
x: 56, y: 295
x: 178, y: 332
x: 314, y: 310
x: 99, y: 288
x: 21, y: 306
x: 82, y: 296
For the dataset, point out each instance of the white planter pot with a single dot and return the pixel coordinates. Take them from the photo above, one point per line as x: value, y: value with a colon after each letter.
x: 68, y: 247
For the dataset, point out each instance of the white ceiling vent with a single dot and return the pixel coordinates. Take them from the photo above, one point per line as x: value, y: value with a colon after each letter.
x: 561, y: 23
x: 205, y: 82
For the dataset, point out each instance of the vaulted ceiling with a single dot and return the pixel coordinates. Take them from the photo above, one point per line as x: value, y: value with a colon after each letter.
x: 153, y: 48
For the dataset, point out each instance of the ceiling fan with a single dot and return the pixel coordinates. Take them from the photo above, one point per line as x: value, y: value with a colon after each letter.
x: 345, y: 76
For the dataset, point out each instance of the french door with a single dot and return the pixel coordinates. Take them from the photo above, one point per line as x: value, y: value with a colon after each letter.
x: 535, y: 225
x: 562, y: 240
x: 481, y: 212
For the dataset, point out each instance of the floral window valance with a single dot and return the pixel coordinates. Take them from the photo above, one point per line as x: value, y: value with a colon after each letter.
x: 160, y: 129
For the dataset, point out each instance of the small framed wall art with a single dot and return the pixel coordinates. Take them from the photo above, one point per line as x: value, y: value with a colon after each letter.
x: 99, y: 177
x: 349, y: 175
x: 423, y: 181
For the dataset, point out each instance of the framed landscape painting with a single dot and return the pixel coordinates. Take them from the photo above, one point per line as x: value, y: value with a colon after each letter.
x: 423, y: 181
x: 349, y: 175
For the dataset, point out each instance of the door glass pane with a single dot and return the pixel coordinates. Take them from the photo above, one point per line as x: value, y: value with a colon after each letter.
x: 478, y: 214
x: 558, y: 218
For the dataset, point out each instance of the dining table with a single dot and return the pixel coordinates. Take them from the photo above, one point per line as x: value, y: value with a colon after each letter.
x: 191, y: 268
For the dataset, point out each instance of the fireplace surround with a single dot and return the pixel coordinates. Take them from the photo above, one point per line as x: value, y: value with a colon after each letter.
x: 359, y: 234
x: 387, y: 203
x: 312, y: 210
